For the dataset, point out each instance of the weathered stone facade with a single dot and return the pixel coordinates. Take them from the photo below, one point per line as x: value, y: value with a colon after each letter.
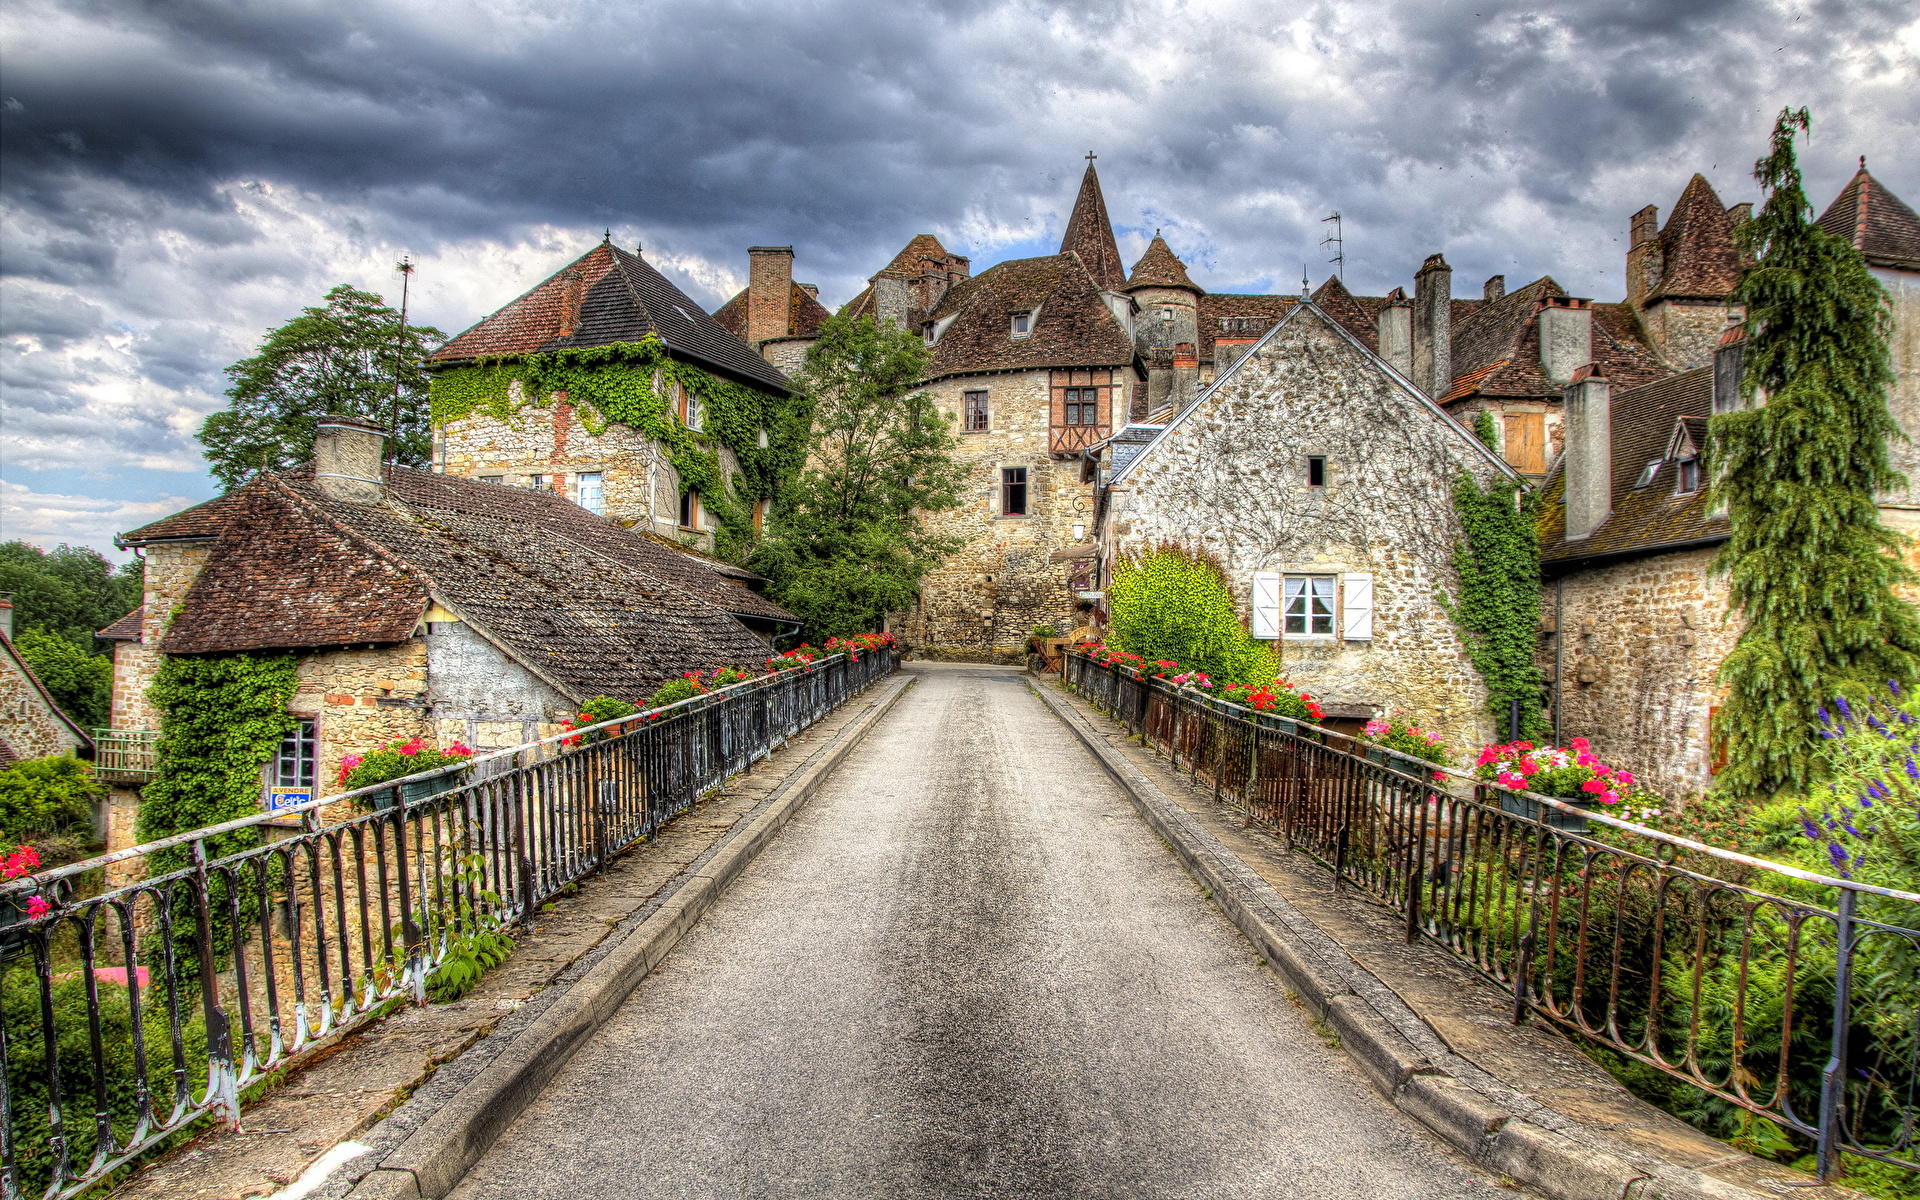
x: 1232, y: 477
x: 30, y: 724
x: 1903, y: 400
x: 983, y: 602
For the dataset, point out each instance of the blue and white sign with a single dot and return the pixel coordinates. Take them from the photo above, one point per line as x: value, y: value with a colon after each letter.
x: 279, y: 799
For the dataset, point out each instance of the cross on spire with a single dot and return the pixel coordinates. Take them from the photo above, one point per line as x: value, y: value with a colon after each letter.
x: 1090, y: 157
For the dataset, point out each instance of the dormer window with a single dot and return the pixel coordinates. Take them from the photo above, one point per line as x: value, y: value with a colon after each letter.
x: 1647, y: 473
x: 1689, y: 476
x: 928, y: 334
x: 1023, y: 324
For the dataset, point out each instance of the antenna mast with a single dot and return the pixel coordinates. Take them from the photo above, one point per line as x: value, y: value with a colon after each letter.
x: 1339, y: 259
x: 405, y: 267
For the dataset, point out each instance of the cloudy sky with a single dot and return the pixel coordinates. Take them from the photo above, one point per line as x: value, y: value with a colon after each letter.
x: 177, y: 177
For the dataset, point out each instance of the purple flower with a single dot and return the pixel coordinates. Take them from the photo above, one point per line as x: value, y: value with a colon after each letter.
x: 1807, y: 824
x: 1826, y: 718
x: 1913, y: 769
x: 1866, y: 802
x: 1895, y: 685
x: 1846, y: 710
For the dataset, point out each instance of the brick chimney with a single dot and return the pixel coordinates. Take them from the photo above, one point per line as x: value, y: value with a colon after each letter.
x: 346, y: 459
x: 1643, y: 255
x: 572, y: 291
x: 1394, y: 326
x: 1494, y: 288
x: 1589, y: 453
x: 1566, y: 337
x: 1433, y: 327
x: 769, y: 292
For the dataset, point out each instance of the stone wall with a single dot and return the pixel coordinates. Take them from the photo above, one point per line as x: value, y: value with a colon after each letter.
x: 360, y: 698
x: 1903, y: 288
x: 1685, y: 334
x: 982, y: 603
x: 482, y: 698
x: 1231, y: 478
x: 27, y: 718
x: 1639, y: 643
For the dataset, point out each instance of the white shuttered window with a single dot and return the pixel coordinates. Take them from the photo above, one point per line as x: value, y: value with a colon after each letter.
x: 1356, y: 610
x: 1266, y: 604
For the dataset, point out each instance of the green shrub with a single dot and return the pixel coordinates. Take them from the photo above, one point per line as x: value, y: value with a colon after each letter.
x: 1173, y: 603
x: 47, y: 796
x: 675, y: 690
x: 397, y: 760
x: 605, y: 708
x: 80, y: 681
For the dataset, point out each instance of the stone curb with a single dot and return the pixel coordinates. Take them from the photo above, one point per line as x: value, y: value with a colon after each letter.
x: 1400, y: 1054
x: 435, y: 1156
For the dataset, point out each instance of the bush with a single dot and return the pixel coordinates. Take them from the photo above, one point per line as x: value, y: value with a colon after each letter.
x: 1174, y: 604
x: 47, y: 796
x: 675, y: 690
x: 397, y: 760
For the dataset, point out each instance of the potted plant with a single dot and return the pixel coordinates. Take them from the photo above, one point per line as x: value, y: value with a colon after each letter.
x: 1572, y: 773
x: 396, y: 760
x: 1396, y: 742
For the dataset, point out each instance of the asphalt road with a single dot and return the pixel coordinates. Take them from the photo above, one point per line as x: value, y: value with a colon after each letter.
x: 966, y: 969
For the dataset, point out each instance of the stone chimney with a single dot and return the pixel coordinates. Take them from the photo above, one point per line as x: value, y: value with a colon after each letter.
x: 1433, y: 327
x: 769, y: 292
x: 1643, y: 255
x: 346, y: 459
x: 1494, y: 288
x: 1566, y: 337
x: 1728, y: 364
x: 1589, y: 453
x: 1395, y: 328
x: 892, y: 296
x: 1740, y: 214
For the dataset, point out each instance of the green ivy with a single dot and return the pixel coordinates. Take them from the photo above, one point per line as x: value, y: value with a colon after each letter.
x: 224, y: 715
x: 1484, y: 430
x: 1498, y: 608
x: 614, y: 384
x: 1174, y: 603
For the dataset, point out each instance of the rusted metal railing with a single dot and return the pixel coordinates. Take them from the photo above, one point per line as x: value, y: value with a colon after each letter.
x: 1777, y: 992
x: 131, y: 1014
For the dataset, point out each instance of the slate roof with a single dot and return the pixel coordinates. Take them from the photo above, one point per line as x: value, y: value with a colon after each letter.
x: 588, y: 606
x: 1074, y: 326
x: 1252, y: 315
x: 1644, y: 520
x: 1355, y: 314
x: 1090, y: 235
x: 804, y: 315
x: 612, y: 296
x: 127, y: 628
x: 1698, y: 260
x: 909, y: 264
x: 1876, y: 221
x: 1496, y: 348
x: 1159, y: 268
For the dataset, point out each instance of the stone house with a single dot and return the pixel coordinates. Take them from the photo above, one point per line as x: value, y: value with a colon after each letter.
x: 684, y: 428
x: 429, y: 605
x: 774, y: 315
x: 31, y: 724
x: 1322, y: 482
x: 1635, y: 624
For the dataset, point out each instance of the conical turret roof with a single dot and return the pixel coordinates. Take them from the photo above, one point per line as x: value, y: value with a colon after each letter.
x: 1159, y: 268
x: 1090, y: 235
x: 1698, y: 258
x: 1875, y: 220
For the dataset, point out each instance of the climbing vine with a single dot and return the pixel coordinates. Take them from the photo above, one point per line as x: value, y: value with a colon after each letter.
x: 224, y: 716
x: 629, y: 383
x: 1498, y: 607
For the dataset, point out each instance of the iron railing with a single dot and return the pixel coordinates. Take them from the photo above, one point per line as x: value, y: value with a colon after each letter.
x: 164, y: 1000
x: 124, y: 755
x: 1780, y: 993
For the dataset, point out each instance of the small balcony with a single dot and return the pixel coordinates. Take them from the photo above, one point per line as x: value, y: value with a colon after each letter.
x: 1072, y: 439
x: 124, y: 755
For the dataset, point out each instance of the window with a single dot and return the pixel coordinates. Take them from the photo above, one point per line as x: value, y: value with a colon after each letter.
x: 760, y: 510
x: 976, y: 421
x: 927, y: 333
x: 1166, y: 314
x: 1309, y: 606
x: 696, y: 412
x: 587, y: 485
x: 763, y: 439
x: 1647, y: 473
x: 1022, y: 324
x: 293, y: 763
x: 1013, y: 491
x: 1316, y: 470
x: 1082, y: 406
x: 1689, y: 476
x: 537, y: 482
x: 490, y: 479
x: 689, y: 510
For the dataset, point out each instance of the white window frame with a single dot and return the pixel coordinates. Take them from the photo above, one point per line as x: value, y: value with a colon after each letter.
x: 1020, y: 325
x: 1308, y: 592
x: 594, y: 480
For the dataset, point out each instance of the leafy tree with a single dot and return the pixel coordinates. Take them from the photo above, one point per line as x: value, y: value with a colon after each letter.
x: 1809, y: 564
x: 340, y: 359
x: 80, y: 682
x: 1173, y: 603
x: 847, y: 545
x: 70, y: 590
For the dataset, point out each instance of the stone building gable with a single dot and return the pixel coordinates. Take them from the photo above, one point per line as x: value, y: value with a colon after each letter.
x: 1229, y: 475
x: 31, y: 724
x: 1072, y: 325
x: 1233, y: 315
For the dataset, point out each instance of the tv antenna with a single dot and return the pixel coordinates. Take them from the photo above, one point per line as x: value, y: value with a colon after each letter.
x: 1339, y: 259
x: 405, y: 267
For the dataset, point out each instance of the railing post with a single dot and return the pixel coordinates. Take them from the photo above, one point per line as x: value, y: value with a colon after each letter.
x: 222, y: 1083
x: 1833, y: 1081
x: 413, y: 971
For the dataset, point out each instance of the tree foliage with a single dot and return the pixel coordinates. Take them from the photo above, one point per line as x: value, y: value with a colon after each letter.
x: 339, y: 359
x: 1498, y: 607
x: 849, y: 545
x: 80, y: 682
x: 1173, y: 603
x: 69, y: 590
x: 44, y: 796
x: 1810, y: 566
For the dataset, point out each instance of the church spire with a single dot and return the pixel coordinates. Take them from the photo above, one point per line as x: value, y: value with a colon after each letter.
x: 1090, y: 235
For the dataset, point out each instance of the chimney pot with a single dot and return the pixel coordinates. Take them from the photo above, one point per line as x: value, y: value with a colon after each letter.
x: 1566, y: 337
x: 346, y: 459
x: 1589, y: 455
x: 769, y: 292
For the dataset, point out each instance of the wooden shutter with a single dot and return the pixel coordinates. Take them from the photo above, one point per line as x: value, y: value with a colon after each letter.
x: 1356, y: 609
x: 1526, y: 442
x: 1266, y: 605
x: 1057, y: 397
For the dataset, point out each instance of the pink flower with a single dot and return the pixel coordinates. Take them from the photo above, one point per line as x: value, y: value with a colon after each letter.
x: 411, y: 748
x: 1376, y: 727
x: 37, y: 906
x: 1586, y: 760
x: 1508, y: 779
x: 1594, y: 785
x: 458, y: 751
x: 1579, y: 743
x: 1624, y: 778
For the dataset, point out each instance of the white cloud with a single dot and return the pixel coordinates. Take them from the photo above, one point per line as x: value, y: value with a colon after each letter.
x: 48, y: 520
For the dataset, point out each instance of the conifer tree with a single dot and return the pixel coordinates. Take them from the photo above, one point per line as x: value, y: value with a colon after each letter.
x: 1809, y: 564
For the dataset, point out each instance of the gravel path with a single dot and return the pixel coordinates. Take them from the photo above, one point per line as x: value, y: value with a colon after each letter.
x: 966, y: 969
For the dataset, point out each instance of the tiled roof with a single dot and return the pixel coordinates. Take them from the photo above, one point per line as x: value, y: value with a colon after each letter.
x: 1466, y: 385
x: 1644, y: 520
x: 127, y: 628
x: 804, y: 315
x: 591, y: 607
x: 1355, y: 315
x: 1090, y: 235
x: 1159, y: 268
x: 1697, y: 256
x: 1243, y: 316
x: 1875, y: 220
x: 1496, y: 350
x: 203, y: 520
x: 1489, y: 332
x: 1074, y: 328
x: 611, y: 296
x: 910, y: 264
